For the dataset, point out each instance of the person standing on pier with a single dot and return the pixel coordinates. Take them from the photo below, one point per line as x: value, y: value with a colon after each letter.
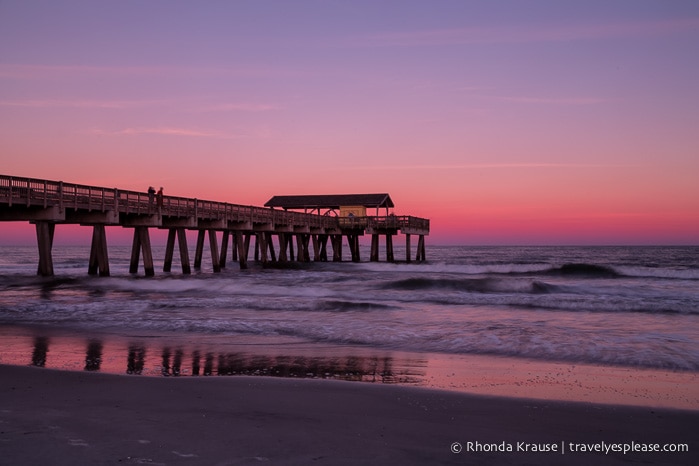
x: 151, y: 197
x: 159, y: 197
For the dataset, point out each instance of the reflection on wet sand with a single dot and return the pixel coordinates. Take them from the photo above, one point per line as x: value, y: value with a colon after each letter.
x: 178, y: 361
x: 93, y: 359
x: 135, y: 360
x: 41, y: 348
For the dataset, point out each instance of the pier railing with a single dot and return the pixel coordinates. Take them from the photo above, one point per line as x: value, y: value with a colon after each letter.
x: 30, y: 192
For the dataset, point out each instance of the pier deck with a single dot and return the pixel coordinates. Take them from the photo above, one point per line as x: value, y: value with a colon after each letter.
x: 48, y: 203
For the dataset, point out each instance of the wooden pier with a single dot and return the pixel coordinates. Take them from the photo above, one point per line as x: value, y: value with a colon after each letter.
x: 48, y: 203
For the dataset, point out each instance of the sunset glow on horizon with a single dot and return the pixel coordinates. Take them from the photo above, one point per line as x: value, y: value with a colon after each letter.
x: 507, y: 123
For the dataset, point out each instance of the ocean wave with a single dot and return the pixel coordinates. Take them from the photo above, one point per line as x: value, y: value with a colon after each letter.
x: 583, y: 270
x: 472, y: 285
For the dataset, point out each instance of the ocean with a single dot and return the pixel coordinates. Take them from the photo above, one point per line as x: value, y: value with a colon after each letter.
x: 630, y: 308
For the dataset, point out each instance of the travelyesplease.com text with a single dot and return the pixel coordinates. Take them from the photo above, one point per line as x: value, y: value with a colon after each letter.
x: 564, y: 447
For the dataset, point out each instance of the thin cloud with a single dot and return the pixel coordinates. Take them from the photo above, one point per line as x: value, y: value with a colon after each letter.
x: 472, y: 166
x: 42, y: 71
x: 106, y: 104
x: 550, y: 100
x: 243, y: 107
x: 165, y: 131
x: 523, y: 34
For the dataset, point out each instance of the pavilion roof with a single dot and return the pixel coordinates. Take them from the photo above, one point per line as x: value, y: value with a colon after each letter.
x: 330, y: 201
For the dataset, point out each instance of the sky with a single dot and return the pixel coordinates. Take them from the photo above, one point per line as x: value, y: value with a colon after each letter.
x: 503, y: 122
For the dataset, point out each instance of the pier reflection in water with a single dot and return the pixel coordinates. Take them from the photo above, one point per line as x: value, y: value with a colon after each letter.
x: 41, y: 348
x: 93, y: 358
x: 139, y: 358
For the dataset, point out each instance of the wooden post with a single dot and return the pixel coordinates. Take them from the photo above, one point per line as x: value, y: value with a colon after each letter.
x: 316, y: 248
x: 290, y: 241
x: 184, y: 252
x: 135, y: 252
x: 336, y: 241
x: 200, y: 249
x: 261, y: 247
x: 141, y: 244
x: 389, y: 247
x: 306, y: 238
x: 44, y: 237
x: 420, y: 249
x: 374, y: 256
x: 353, y: 241
x: 234, y: 253
x: 214, y: 251
x: 323, y: 239
x: 99, y: 260
x: 169, y: 249
x: 407, y: 247
x: 270, y: 245
x: 224, y: 249
x: 242, y: 251
x: 257, y: 247
x: 247, y: 246
x: 299, y: 245
x: 147, y: 252
x: 282, y: 247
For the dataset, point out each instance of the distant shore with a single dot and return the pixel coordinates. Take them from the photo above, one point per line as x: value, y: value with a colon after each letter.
x: 67, y: 418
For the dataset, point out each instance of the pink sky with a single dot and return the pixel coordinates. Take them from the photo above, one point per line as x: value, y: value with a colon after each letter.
x: 503, y: 122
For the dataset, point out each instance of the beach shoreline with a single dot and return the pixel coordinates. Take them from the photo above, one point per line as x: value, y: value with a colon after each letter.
x: 65, y: 417
x: 172, y: 355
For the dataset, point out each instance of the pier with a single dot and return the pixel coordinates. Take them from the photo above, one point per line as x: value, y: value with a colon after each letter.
x: 332, y: 219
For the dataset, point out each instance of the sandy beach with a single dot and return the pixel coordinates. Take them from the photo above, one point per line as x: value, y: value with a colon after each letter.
x: 66, y: 418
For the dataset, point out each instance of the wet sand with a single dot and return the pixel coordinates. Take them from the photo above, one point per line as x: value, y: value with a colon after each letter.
x: 66, y: 418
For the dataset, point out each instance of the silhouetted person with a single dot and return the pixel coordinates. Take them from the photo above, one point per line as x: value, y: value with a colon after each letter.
x: 151, y: 196
x: 159, y: 198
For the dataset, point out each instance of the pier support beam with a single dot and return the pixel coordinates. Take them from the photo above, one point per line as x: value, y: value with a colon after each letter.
x: 224, y: 249
x: 44, y: 237
x: 270, y: 246
x: 213, y: 245
x: 170, y: 249
x: 141, y: 243
x: 242, y: 250
x: 283, y: 244
x: 261, y: 247
x: 99, y: 260
x: 199, y: 251
x: 407, y: 247
x: 234, y: 247
x: 389, y: 248
x: 336, y: 241
x: 353, y: 241
x: 302, y: 240
x: 323, y: 241
x: 316, y: 248
x: 420, y: 256
x: 374, y: 255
